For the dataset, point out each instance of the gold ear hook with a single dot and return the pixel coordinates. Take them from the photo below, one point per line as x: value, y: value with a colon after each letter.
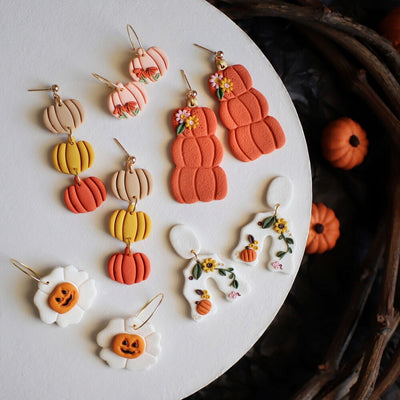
x: 28, y: 271
x: 54, y: 89
x: 195, y: 255
x: 161, y: 295
x: 130, y: 159
x: 276, y: 209
x: 129, y: 28
x: 192, y: 94
x: 219, y: 57
x: 106, y: 82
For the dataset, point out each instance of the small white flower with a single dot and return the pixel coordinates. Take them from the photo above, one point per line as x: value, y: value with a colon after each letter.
x: 182, y: 115
x: 215, y: 80
x: 126, y: 347
x: 65, y: 299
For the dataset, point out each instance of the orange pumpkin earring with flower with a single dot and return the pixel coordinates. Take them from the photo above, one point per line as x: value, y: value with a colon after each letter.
x: 147, y: 65
x: 73, y: 157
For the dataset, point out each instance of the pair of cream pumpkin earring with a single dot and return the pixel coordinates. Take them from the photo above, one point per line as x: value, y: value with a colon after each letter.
x: 147, y: 66
x: 66, y: 293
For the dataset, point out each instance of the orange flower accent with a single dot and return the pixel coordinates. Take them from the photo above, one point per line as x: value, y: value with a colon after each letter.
x: 145, y: 73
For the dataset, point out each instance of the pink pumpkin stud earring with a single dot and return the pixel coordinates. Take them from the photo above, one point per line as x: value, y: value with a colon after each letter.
x: 125, y: 101
x: 147, y: 65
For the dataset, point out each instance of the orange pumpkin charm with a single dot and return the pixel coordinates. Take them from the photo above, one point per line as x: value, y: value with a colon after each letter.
x: 344, y: 143
x: 197, y: 153
x: 244, y: 111
x: 128, y: 346
x: 64, y: 297
x: 324, y: 229
x: 390, y: 27
x: 248, y: 255
x: 129, y: 268
x: 85, y: 195
x: 204, y: 307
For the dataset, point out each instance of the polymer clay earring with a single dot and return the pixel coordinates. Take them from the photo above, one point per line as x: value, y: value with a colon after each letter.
x: 125, y: 101
x: 63, y: 296
x: 131, y: 343
x: 72, y: 157
x: 130, y: 185
x: 199, y: 270
x: 243, y: 111
x: 272, y: 224
x: 196, y: 153
x: 147, y: 65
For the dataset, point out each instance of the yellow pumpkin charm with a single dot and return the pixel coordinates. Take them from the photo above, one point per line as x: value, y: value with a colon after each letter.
x: 73, y: 157
x: 129, y: 225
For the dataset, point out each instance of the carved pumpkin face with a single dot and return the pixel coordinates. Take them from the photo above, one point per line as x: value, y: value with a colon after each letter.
x: 128, y: 346
x: 64, y: 297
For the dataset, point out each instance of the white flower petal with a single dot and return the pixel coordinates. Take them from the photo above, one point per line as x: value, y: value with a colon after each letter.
x: 145, y: 330
x: 153, y: 346
x: 115, y: 326
x: 47, y: 314
x: 73, y: 275
x: 142, y: 362
x: 112, y: 359
x: 71, y: 317
x: 55, y: 277
x: 87, y: 293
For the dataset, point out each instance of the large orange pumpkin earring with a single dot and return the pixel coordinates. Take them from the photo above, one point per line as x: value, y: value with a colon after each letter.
x: 130, y: 184
x: 63, y: 296
x: 147, y: 65
x: 244, y: 111
x: 72, y: 157
x: 196, y: 153
x: 125, y: 101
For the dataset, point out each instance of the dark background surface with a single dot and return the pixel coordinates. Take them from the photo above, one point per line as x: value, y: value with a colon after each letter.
x: 290, y: 350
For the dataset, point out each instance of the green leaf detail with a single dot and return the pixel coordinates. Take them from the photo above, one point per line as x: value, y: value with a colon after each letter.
x: 268, y: 222
x: 280, y: 254
x: 197, y: 271
x: 136, y: 112
x: 289, y: 241
x: 156, y: 76
x: 229, y: 269
x: 235, y: 284
x: 231, y: 276
x: 281, y: 237
x: 290, y: 250
x: 222, y: 272
x: 180, y: 128
x: 125, y: 114
x: 220, y: 93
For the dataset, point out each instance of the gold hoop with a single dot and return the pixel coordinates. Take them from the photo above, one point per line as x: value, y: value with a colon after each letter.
x: 161, y: 295
x: 129, y: 28
x: 27, y: 271
x: 106, y: 82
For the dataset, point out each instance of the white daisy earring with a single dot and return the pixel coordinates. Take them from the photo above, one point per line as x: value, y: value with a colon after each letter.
x: 132, y: 343
x: 63, y: 296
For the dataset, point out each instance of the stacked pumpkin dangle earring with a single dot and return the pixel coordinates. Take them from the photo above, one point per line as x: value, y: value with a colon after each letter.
x: 243, y: 111
x: 196, y: 153
x: 131, y: 185
x: 73, y: 157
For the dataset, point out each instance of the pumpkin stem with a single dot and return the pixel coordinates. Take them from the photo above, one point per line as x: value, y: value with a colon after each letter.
x: 354, y: 141
x: 319, y: 228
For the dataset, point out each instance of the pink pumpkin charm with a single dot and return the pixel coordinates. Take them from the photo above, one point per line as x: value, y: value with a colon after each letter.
x: 85, y: 195
x: 148, y: 66
x: 127, y: 101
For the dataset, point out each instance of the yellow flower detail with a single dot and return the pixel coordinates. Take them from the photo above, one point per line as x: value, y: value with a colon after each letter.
x: 226, y: 85
x: 208, y: 265
x: 205, y: 295
x: 280, y: 226
x: 191, y: 122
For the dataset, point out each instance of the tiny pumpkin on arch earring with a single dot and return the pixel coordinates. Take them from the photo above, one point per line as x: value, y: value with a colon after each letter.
x: 72, y: 157
x: 147, y: 65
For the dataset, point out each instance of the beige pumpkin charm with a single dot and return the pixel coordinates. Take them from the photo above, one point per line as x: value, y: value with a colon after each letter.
x: 64, y: 116
x: 126, y: 185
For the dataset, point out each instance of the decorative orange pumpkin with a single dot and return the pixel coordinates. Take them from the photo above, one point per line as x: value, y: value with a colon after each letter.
x: 197, y: 153
x: 85, y: 195
x: 64, y: 117
x: 64, y: 297
x: 204, y: 307
x: 344, y: 143
x: 390, y: 27
x: 128, y: 346
x: 244, y: 111
x: 129, y: 268
x: 126, y: 185
x: 324, y: 229
x: 248, y: 255
x: 148, y: 66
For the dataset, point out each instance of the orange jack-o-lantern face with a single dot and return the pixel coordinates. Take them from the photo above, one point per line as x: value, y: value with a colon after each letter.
x: 64, y: 297
x: 128, y: 346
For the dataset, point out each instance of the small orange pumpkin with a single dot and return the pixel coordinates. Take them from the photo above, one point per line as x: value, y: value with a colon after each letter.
x: 344, y: 143
x: 248, y: 255
x: 324, y: 229
x: 128, y: 346
x: 64, y: 297
x: 390, y: 27
x: 204, y: 307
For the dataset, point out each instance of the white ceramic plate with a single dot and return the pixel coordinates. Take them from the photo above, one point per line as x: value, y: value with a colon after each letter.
x: 46, y: 42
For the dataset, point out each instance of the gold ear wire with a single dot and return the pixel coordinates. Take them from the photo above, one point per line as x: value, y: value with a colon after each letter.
x: 129, y: 28
x: 192, y: 94
x: 28, y: 271
x: 219, y: 57
x: 106, y: 82
x: 130, y: 159
x: 161, y: 295
x: 54, y: 89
